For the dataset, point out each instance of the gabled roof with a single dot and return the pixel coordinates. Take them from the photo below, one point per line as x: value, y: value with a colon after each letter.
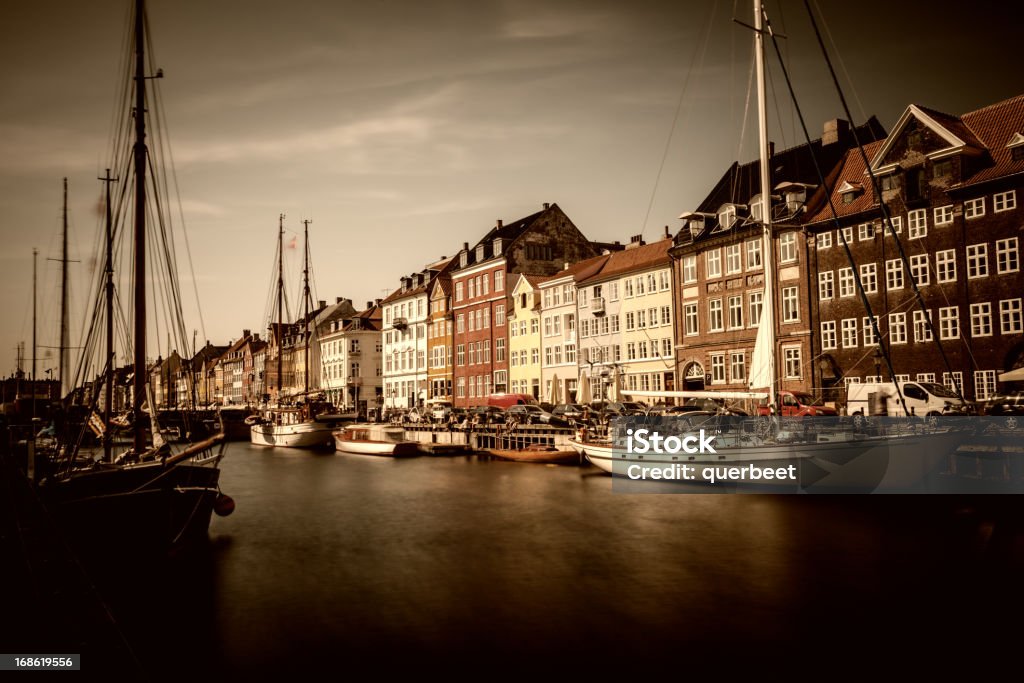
x: 946, y: 126
x: 986, y: 132
x: 632, y: 260
x: 582, y: 270
x: 795, y: 164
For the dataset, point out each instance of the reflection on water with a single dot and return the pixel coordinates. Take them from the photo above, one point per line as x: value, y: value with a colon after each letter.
x: 435, y: 563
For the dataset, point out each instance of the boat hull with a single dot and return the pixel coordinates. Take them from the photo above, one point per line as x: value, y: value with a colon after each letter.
x: 148, y: 507
x: 298, y: 435
x: 383, y: 448
x: 538, y: 455
x: 877, y: 463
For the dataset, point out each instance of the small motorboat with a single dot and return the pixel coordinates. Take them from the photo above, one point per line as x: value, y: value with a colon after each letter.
x: 375, y: 439
x: 538, y: 453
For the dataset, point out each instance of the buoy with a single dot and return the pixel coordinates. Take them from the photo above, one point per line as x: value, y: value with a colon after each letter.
x: 224, y: 505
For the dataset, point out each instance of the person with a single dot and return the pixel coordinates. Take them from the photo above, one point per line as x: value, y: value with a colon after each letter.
x: 451, y: 420
x: 586, y: 415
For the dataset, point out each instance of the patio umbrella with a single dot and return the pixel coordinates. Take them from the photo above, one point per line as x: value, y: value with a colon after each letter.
x: 555, y: 396
x: 583, y: 395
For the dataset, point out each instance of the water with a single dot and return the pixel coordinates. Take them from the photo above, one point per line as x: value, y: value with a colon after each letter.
x: 447, y: 564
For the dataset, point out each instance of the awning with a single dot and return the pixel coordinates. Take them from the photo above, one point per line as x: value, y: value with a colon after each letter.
x: 1016, y: 375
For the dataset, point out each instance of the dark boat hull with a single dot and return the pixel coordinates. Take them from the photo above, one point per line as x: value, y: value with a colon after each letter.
x: 145, y: 508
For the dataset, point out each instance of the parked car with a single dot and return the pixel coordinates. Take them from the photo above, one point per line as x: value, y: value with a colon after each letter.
x: 799, y: 404
x: 922, y: 398
x: 573, y: 411
x: 625, y: 408
x: 1010, y: 406
x: 533, y: 414
x: 506, y: 400
x: 487, y: 414
x: 440, y: 411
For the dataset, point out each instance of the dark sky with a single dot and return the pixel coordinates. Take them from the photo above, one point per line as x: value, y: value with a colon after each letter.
x: 403, y: 129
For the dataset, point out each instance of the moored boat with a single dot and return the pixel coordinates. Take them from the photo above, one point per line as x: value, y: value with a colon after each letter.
x: 539, y: 453
x: 375, y: 439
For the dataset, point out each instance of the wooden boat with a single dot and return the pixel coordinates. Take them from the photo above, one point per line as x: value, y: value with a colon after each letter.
x: 375, y: 439
x: 538, y: 453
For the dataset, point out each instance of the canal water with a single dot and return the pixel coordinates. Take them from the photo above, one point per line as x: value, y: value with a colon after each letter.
x: 467, y: 565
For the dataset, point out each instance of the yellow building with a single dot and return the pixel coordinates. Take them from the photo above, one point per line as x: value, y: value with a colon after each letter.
x: 524, y: 340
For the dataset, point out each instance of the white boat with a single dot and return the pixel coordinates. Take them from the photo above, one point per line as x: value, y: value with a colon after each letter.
x: 375, y: 439
x: 810, y: 457
x: 290, y: 428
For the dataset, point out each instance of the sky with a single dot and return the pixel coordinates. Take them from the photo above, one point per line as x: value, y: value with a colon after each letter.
x: 402, y: 129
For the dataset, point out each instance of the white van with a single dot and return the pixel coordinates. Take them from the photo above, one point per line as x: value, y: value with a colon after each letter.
x: 922, y: 398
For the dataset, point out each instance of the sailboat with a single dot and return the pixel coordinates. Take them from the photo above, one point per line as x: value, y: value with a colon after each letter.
x: 149, y: 498
x: 309, y: 423
x: 801, y: 454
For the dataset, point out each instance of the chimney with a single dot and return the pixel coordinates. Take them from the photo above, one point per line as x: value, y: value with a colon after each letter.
x: 668, y: 233
x: 376, y: 302
x: 322, y: 303
x: 465, y: 246
x: 546, y: 206
x: 369, y: 305
x: 835, y: 131
x: 256, y: 337
x: 246, y: 333
x: 338, y: 299
x: 498, y: 224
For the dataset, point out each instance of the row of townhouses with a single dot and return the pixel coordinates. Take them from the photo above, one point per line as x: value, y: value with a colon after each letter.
x: 923, y: 263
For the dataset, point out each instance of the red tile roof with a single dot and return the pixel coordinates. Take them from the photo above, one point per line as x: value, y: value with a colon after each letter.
x: 635, y: 259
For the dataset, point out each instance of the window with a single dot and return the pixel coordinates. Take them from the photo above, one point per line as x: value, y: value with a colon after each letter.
x: 641, y: 319
x: 790, y: 305
x: 735, y: 312
x: 614, y: 322
x: 787, y: 247
x: 974, y: 208
x: 1010, y: 316
x: 664, y: 280
x: 943, y: 215
x: 642, y: 350
x: 460, y: 355
x: 826, y: 285
x: 793, y: 364
x: 1007, y: 260
x: 918, y: 223
x: 690, y: 269
x: 943, y: 168
x: 849, y: 333
x: 870, y: 338
x: 666, y: 315
x: 889, y: 182
x: 652, y: 317
x: 898, y: 328
x: 845, y: 282
x: 828, y: 334
x: 534, y: 326
x: 925, y: 377
x: 977, y: 261
x: 738, y: 366
x: 755, y: 301
x: 715, y: 323
x: 718, y: 368
x: 613, y: 291
x: 640, y: 290
x: 1004, y: 201
x: 894, y: 274
x: 733, y: 259
x: 753, y: 254
x: 472, y: 287
x: 458, y: 291
x: 629, y: 289
x: 945, y: 266
x: 848, y: 235
x: 690, y: 319
x: 824, y: 240
x: 984, y: 384
x: 919, y: 269
x: 630, y: 321
x: 727, y: 216
x: 949, y: 323
x: 922, y: 330
x: 630, y: 351
x: 981, y: 319
x: 499, y: 350
x: 666, y: 347
x: 869, y: 277
x: 865, y: 232
x: 897, y: 225
x: 954, y: 381
x: 485, y: 283
x: 714, y: 263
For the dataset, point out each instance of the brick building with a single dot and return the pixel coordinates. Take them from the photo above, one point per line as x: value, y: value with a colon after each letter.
x: 951, y: 186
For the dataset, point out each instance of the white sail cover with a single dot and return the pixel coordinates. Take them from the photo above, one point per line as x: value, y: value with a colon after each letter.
x: 761, y: 362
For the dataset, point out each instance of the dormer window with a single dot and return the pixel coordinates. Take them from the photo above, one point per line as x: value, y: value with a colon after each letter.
x: 727, y: 216
x: 850, y: 191
x: 942, y: 168
x: 497, y: 246
x: 464, y: 259
x: 1016, y: 147
x: 481, y: 250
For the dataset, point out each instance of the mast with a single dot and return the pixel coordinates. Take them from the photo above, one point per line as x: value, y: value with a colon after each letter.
x: 305, y: 306
x: 139, y: 274
x: 64, y: 344
x: 109, y: 272
x: 35, y: 255
x: 767, y: 321
x: 280, y: 303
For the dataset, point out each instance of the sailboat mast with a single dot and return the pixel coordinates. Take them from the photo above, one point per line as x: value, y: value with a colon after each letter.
x: 35, y: 256
x: 109, y: 272
x: 305, y: 306
x: 768, y: 300
x: 139, y: 274
x: 280, y: 301
x: 64, y: 345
